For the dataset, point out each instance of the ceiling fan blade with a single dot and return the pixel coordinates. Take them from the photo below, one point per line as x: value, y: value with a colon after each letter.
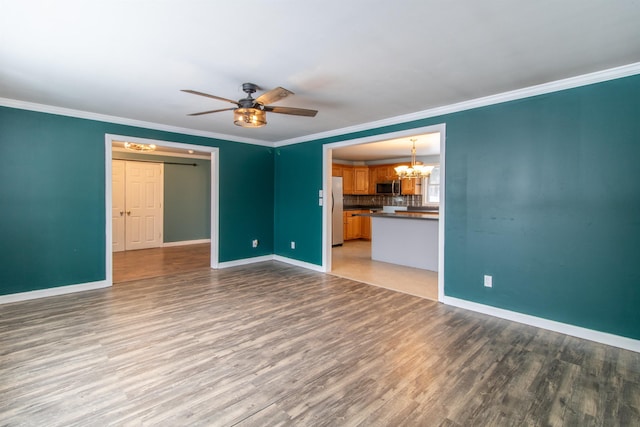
x: 292, y: 111
x: 209, y: 112
x: 195, y: 92
x: 274, y: 95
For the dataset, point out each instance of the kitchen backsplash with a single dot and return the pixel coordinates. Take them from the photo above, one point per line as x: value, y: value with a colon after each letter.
x: 369, y: 200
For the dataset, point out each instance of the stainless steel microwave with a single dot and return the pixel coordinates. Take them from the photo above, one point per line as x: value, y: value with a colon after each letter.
x: 389, y: 187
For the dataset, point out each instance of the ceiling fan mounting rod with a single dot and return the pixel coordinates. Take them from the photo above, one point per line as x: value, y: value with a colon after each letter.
x: 249, y: 101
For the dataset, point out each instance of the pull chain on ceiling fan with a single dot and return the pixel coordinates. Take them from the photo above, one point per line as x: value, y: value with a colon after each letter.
x: 250, y: 112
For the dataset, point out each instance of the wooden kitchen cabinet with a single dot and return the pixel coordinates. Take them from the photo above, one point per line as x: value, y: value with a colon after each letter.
x: 408, y: 186
x: 344, y: 225
x: 380, y: 173
x: 355, y: 180
x: 365, y: 226
x: 385, y: 173
x: 351, y: 225
x: 348, y: 180
x: 373, y: 179
x: 356, y: 227
x: 360, y: 180
x: 412, y: 186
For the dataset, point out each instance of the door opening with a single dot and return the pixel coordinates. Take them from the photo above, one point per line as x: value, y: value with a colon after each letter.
x: 327, y: 185
x: 137, y: 205
x: 111, y: 208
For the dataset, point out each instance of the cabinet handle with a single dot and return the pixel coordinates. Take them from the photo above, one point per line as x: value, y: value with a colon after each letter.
x: 121, y: 213
x: 128, y: 212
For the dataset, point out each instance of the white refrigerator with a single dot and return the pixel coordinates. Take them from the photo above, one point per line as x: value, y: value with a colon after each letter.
x: 336, y: 211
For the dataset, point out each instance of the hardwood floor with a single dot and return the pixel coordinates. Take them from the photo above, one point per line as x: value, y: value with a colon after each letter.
x: 353, y: 261
x: 155, y: 262
x: 273, y: 344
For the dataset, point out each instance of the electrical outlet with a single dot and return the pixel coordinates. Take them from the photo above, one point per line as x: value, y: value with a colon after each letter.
x: 293, y: 245
x: 320, y: 201
x: 255, y: 243
x: 488, y: 281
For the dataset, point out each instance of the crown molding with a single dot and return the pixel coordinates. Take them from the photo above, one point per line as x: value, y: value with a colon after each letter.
x: 42, y: 108
x: 541, y: 89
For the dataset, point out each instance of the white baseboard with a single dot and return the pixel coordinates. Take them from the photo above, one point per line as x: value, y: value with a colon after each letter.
x: 185, y: 243
x: 49, y: 292
x: 551, y: 325
x: 286, y: 260
x: 245, y: 261
x: 297, y: 263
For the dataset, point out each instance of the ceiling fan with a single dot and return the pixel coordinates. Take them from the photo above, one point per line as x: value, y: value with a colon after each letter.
x: 250, y: 112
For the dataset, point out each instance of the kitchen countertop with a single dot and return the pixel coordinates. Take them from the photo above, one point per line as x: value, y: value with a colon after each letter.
x: 403, y: 215
x: 359, y: 207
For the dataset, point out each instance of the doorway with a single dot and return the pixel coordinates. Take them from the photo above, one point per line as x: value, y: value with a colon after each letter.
x: 213, y: 155
x: 327, y: 177
x: 137, y: 205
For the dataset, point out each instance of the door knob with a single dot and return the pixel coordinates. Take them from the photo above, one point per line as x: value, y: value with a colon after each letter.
x: 128, y: 212
x: 121, y: 213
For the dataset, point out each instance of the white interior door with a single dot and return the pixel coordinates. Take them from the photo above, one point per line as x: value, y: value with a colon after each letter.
x: 118, y: 207
x: 143, y: 194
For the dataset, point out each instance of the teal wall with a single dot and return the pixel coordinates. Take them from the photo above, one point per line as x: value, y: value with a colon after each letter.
x: 248, y: 196
x: 541, y: 193
x: 187, y: 196
x: 298, y: 216
x: 544, y: 194
x: 52, y: 216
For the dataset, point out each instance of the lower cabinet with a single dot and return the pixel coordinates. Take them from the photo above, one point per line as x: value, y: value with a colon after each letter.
x: 365, y: 227
x: 356, y: 227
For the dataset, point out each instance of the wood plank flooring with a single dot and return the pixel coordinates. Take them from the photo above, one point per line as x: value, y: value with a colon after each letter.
x: 274, y: 344
x: 155, y: 262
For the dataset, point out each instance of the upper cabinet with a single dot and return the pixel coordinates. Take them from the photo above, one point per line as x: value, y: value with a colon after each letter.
x: 360, y: 180
x: 363, y: 179
x: 355, y: 179
x: 347, y: 180
x: 385, y: 173
x: 411, y: 186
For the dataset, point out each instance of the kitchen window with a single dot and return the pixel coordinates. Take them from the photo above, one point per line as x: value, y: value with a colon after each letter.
x: 432, y: 184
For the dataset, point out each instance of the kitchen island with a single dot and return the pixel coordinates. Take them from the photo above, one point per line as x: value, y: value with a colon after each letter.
x: 405, y: 238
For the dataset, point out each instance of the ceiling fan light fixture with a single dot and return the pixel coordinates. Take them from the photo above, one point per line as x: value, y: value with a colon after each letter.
x: 249, y: 117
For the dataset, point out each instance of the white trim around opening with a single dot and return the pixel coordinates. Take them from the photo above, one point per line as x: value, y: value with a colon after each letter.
x: 215, y: 163
x: 327, y: 157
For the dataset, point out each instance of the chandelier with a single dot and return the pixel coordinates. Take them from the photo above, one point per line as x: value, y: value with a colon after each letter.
x: 416, y: 169
x: 139, y: 147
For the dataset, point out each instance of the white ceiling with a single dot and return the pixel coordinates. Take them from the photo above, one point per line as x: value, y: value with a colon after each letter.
x: 355, y: 61
x: 426, y: 145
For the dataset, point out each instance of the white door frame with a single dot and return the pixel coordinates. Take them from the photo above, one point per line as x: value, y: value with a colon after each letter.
x: 327, y: 157
x: 215, y: 163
